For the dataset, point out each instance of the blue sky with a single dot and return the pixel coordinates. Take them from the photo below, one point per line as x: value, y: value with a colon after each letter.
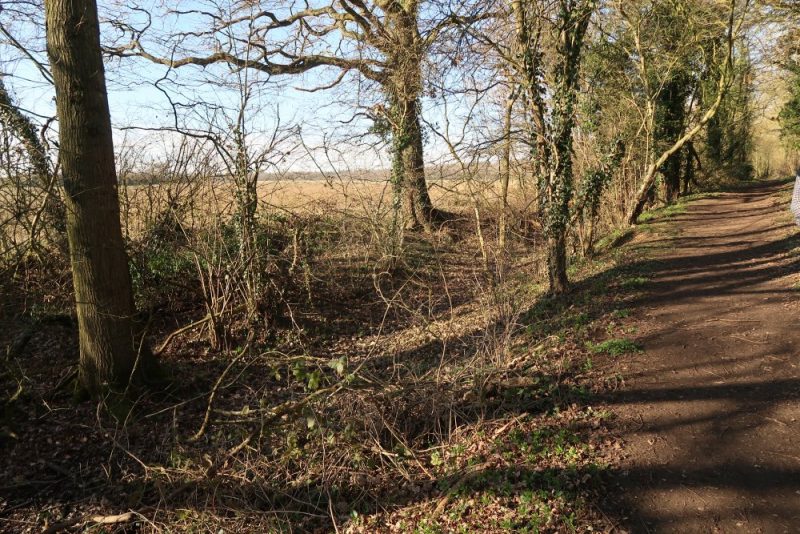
x: 136, y: 102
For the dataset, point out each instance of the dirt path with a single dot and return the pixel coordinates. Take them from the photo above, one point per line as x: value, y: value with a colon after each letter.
x: 710, y: 411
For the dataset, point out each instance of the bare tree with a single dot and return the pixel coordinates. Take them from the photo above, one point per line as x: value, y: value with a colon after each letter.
x: 384, y: 41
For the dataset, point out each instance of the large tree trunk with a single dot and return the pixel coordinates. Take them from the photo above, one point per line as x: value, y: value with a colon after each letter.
x: 111, y: 351
x: 417, y: 206
x: 552, y: 138
x: 557, y: 190
x: 404, y: 90
x: 671, y: 112
x: 672, y: 177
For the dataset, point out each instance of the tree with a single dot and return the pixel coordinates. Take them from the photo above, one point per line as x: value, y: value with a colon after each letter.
x: 729, y: 136
x: 670, y: 125
x: 112, y: 353
x: 790, y: 112
x: 552, y: 125
x: 725, y: 76
x: 384, y: 41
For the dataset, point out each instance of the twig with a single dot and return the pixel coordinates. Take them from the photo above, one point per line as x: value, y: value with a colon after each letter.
x: 95, y: 519
x: 181, y: 330
x: 190, y: 326
x: 111, y: 519
x: 197, y: 435
x: 742, y: 338
x: 470, y: 472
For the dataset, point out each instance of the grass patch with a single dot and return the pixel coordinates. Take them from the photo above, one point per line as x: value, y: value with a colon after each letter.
x: 634, y: 282
x: 701, y: 196
x: 615, y: 347
x: 793, y: 253
x: 679, y: 208
x: 614, y: 239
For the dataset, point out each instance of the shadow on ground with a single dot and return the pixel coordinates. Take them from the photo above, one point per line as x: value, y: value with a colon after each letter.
x: 56, y: 455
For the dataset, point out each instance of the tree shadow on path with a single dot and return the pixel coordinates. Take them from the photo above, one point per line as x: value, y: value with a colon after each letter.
x: 711, y: 409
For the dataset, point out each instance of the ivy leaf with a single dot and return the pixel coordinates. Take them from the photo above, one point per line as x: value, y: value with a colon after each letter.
x: 314, y: 380
x: 339, y: 365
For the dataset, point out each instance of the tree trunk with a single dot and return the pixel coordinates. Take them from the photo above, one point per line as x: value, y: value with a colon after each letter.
x: 671, y: 112
x: 552, y: 138
x: 557, y: 263
x: 672, y: 177
x: 588, y: 249
x: 573, y: 24
x: 404, y: 89
x: 689, y: 173
x: 111, y: 350
x: 417, y: 205
x: 505, y: 172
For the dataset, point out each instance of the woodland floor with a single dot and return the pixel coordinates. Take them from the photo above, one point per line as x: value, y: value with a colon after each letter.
x: 661, y: 395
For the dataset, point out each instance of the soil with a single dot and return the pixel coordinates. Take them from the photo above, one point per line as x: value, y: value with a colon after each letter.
x: 710, y: 411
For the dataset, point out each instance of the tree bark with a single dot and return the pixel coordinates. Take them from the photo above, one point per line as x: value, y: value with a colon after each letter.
x: 553, y: 138
x: 671, y: 107
x: 404, y: 90
x: 417, y: 206
x: 111, y: 351
x: 505, y: 171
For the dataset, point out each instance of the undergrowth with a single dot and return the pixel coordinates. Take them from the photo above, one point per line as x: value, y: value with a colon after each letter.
x: 411, y: 395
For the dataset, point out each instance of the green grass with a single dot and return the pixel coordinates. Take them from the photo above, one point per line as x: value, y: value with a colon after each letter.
x: 634, y: 282
x: 614, y: 239
x: 615, y: 347
x: 700, y: 196
x: 620, y: 314
x: 672, y: 210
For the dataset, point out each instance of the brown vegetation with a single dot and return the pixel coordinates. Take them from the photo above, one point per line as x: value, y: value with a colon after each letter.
x: 439, y: 342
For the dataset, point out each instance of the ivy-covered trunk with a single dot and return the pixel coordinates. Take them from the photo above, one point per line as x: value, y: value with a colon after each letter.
x: 560, y: 186
x: 670, y: 125
x: 251, y: 258
x: 111, y: 350
x: 410, y: 165
x: 404, y: 91
x: 553, y: 139
x: 52, y: 216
